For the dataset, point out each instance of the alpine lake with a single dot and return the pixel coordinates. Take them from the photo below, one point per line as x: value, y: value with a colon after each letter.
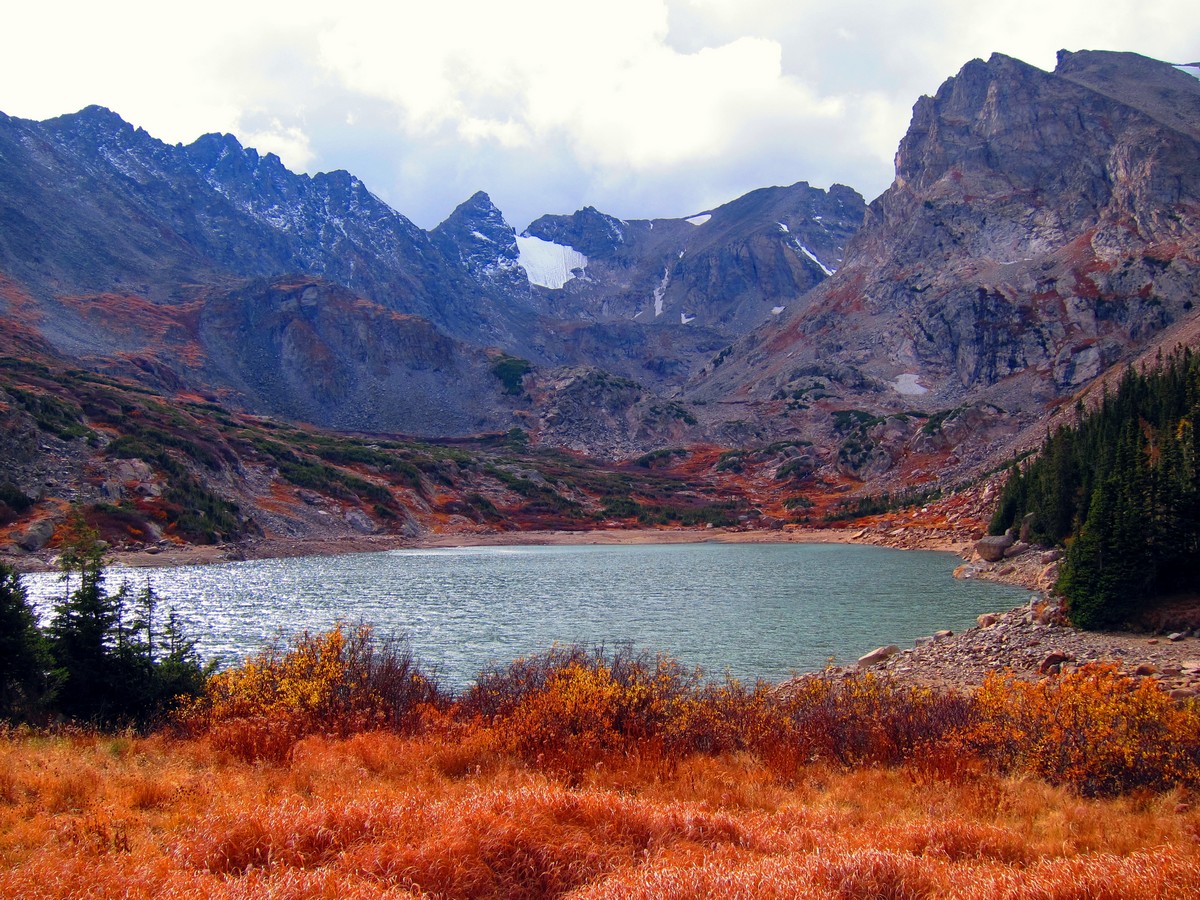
x: 749, y: 611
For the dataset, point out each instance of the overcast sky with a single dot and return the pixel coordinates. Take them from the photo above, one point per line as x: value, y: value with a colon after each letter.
x: 640, y: 108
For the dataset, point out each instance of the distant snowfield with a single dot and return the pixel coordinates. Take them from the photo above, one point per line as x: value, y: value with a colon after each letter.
x: 908, y: 386
x: 700, y: 219
x: 548, y: 264
x: 1193, y: 70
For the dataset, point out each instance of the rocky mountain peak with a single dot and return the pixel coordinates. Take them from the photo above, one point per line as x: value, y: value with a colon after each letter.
x: 93, y: 119
x: 591, y: 232
x: 1038, y: 229
x: 478, y: 237
x: 1165, y: 93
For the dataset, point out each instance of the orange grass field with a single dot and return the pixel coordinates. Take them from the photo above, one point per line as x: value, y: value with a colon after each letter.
x: 329, y: 771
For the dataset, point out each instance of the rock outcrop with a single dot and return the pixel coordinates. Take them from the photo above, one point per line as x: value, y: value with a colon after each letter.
x: 1042, y: 226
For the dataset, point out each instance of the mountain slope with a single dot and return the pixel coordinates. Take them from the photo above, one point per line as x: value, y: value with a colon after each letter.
x: 128, y: 252
x: 1042, y: 227
x: 729, y: 269
x: 1038, y: 230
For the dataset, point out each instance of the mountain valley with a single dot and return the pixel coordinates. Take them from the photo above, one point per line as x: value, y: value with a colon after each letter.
x: 202, y: 346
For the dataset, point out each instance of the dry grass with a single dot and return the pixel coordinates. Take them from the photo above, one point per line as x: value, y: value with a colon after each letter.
x: 378, y: 815
x: 336, y: 770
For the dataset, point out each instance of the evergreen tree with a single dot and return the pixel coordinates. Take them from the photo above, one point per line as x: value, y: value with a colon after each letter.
x: 25, y: 685
x: 84, y: 630
x: 1121, y: 489
x: 114, y: 668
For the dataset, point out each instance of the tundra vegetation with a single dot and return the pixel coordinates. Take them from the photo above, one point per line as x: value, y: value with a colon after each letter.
x: 335, y: 765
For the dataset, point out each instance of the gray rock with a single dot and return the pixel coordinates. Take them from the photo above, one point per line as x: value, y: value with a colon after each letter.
x: 878, y: 655
x: 37, y: 536
x: 359, y: 521
x: 992, y: 547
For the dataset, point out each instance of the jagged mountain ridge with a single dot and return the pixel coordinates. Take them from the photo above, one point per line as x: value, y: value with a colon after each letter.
x: 1042, y: 227
x: 732, y: 267
x: 117, y: 239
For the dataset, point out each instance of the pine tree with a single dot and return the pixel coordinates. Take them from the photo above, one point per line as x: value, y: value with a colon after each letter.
x: 114, y: 667
x: 84, y: 629
x: 1121, y: 489
x: 25, y: 684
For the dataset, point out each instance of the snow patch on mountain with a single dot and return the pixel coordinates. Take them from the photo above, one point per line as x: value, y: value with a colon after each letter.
x: 908, y: 386
x: 660, y: 292
x: 548, y: 264
x: 700, y: 219
x: 810, y: 255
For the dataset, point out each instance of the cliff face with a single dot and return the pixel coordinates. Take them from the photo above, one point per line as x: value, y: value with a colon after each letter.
x: 1041, y: 227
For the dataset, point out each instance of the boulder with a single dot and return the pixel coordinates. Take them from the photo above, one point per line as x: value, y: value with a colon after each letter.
x: 943, y: 634
x: 1053, y: 661
x: 878, y: 655
x: 1026, y: 524
x: 359, y: 521
x: 987, y: 620
x: 1016, y: 549
x: 992, y: 547
x: 36, y: 536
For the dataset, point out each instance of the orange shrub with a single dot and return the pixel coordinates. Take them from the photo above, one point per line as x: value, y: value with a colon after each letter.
x: 566, y: 707
x: 570, y: 708
x: 337, y: 683
x: 1095, y: 729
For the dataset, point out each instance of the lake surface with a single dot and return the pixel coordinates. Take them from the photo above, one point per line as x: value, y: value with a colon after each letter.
x: 749, y: 610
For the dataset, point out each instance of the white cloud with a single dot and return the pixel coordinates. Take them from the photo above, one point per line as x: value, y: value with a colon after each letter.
x: 288, y: 142
x: 639, y: 107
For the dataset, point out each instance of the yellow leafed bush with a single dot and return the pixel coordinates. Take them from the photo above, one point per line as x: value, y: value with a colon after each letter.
x: 338, y: 683
x: 1095, y: 729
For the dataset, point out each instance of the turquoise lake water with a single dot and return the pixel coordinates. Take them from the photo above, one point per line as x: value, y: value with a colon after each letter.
x: 747, y: 610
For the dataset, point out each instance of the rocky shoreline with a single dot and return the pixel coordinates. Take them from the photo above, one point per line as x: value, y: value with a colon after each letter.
x: 1034, y: 641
